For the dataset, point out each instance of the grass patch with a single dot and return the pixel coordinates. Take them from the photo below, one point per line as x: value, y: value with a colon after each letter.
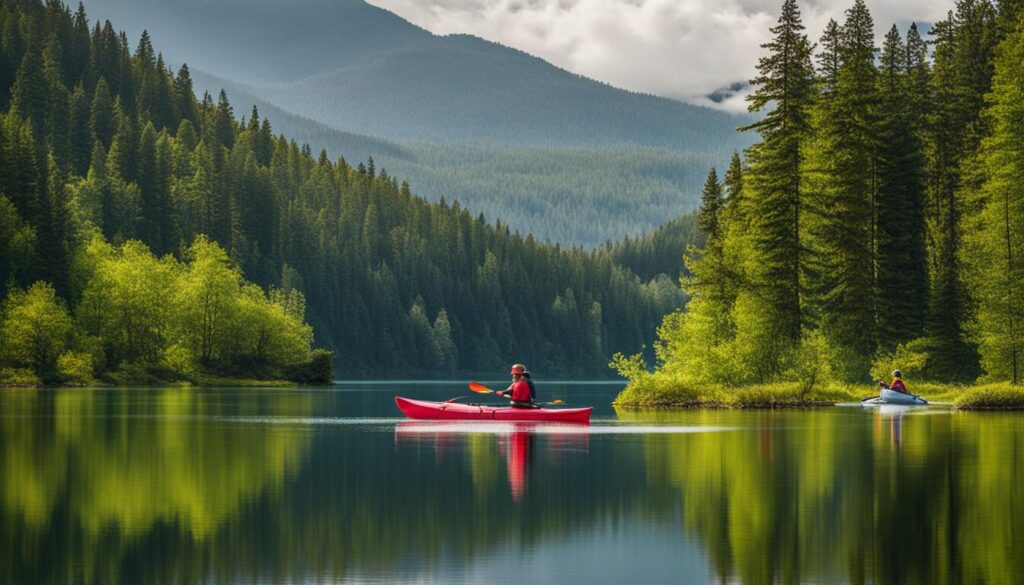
x: 666, y: 391
x: 999, y: 396
x: 221, y: 381
x: 660, y: 390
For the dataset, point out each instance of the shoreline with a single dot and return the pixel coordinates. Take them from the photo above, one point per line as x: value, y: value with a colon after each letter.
x: 652, y: 392
x: 204, y: 383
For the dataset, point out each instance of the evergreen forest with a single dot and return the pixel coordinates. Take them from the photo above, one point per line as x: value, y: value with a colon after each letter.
x: 878, y: 222
x: 147, y: 234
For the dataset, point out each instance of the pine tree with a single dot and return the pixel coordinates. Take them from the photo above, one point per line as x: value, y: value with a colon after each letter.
x: 102, y: 122
x: 710, y: 209
x: 964, y: 45
x: 185, y: 97
x: 30, y: 94
x: 152, y: 199
x: 842, y: 186
x: 19, y: 172
x: 57, y: 118
x: 224, y: 122
x: 10, y: 55
x: 80, y: 135
x: 53, y: 240
x: 902, y: 291
x: 995, y: 238
x: 773, y: 184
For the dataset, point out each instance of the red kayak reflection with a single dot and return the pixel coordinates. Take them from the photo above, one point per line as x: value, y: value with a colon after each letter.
x: 521, y: 444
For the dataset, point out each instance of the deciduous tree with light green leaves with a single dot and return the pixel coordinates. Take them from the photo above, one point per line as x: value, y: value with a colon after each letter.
x: 35, y: 330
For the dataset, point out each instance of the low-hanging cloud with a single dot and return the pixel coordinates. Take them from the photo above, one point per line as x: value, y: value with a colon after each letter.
x: 683, y: 49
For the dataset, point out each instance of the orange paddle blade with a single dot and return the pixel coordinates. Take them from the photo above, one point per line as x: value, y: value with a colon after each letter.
x: 480, y: 388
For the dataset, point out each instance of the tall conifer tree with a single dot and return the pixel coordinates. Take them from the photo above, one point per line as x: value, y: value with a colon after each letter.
x: 995, y: 238
x: 902, y: 288
x: 773, y: 183
x: 842, y: 185
x: 964, y: 45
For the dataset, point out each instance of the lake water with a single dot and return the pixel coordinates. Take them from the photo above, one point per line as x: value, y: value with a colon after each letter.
x: 330, y: 485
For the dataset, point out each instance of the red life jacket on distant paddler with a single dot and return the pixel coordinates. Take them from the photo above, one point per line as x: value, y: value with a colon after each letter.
x: 898, y: 385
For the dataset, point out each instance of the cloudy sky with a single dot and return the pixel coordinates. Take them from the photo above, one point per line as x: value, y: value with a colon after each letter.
x: 682, y: 49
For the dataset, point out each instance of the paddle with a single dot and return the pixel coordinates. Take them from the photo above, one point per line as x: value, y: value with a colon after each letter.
x: 480, y: 388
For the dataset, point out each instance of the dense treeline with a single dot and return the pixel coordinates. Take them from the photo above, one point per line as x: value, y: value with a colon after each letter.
x: 98, y: 138
x: 657, y: 252
x: 571, y: 195
x: 879, y: 217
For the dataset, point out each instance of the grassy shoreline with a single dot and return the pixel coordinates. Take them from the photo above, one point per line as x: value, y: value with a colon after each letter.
x: 655, y: 391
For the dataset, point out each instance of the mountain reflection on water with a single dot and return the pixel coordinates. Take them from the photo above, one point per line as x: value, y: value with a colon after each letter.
x: 280, y: 486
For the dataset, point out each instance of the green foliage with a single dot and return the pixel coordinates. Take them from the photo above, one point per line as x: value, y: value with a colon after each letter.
x: 18, y: 377
x: 660, y: 250
x: 35, y: 330
x: 632, y: 368
x: 962, y: 76
x: 991, y: 397
x: 663, y: 389
x: 812, y: 363
x: 76, y: 368
x: 318, y: 370
x: 17, y: 246
x: 995, y: 239
x: 910, y: 358
x: 164, y: 319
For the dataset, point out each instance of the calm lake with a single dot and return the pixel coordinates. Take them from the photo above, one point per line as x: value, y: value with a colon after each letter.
x: 330, y: 485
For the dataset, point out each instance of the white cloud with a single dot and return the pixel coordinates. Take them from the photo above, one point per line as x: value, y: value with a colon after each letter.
x: 682, y: 49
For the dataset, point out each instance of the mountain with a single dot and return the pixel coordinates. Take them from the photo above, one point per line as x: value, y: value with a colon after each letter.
x: 263, y: 40
x: 573, y: 160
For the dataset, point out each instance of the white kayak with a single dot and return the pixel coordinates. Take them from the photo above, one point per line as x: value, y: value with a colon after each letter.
x: 889, y: 396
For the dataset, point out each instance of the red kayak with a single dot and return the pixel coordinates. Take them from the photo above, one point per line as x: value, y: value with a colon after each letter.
x: 423, y: 409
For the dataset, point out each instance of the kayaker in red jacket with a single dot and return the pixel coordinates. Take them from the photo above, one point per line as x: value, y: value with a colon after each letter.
x: 897, y: 382
x: 519, y: 390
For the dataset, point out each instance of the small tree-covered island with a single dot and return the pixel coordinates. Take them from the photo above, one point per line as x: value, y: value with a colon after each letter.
x: 878, y: 224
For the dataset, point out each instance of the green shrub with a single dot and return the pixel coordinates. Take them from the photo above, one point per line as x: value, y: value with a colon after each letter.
x: 18, y: 377
x: 318, y: 370
x: 910, y: 358
x: 991, y: 397
x: 76, y: 367
x: 811, y: 363
x: 632, y: 368
x: 35, y: 329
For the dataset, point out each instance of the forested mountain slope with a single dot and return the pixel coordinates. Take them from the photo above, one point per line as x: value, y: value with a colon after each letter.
x: 503, y: 132
x: 99, y: 138
x: 565, y: 194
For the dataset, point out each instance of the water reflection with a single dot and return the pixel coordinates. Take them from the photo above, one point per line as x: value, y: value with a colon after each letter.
x: 515, y: 442
x: 189, y: 486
